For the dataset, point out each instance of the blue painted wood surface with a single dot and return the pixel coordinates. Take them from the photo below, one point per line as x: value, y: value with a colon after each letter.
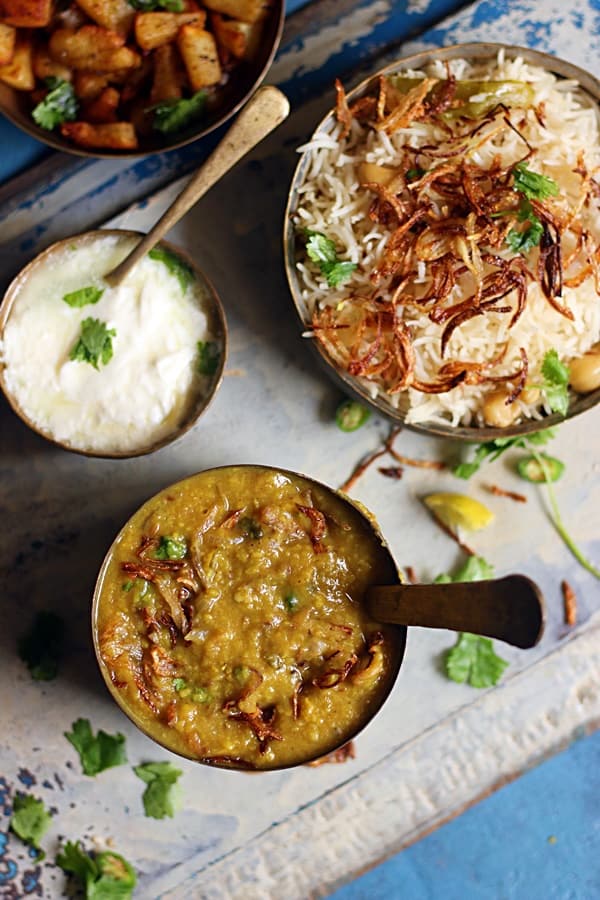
x: 536, y: 839
x: 482, y: 875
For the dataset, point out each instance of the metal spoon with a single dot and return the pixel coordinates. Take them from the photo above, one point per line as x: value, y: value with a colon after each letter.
x: 511, y: 608
x: 266, y: 109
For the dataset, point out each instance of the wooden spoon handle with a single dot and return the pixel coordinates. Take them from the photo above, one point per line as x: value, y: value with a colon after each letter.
x: 266, y: 109
x: 511, y: 608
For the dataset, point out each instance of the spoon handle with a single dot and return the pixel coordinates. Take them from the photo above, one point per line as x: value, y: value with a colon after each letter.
x: 266, y: 109
x: 511, y: 608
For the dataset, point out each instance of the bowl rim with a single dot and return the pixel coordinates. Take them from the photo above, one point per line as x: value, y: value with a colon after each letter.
x: 51, y: 140
x: 216, y: 314
x: 400, y: 631
x: 479, y: 50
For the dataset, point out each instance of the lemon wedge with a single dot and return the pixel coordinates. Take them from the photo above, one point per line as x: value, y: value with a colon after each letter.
x: 459, y: 511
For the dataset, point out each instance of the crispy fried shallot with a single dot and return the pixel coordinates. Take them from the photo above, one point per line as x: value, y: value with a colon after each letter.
x: 341, y: 755
x: 261, y: 724
x: 500, y: 492
x: 318, y: 524
x: 333, y: 677
x: 570, y: 603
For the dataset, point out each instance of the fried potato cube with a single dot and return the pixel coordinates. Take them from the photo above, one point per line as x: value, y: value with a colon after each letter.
x: 7, y: 43
x: 18, y: 73
x: 200, y: 56
x: 104, y: 108
x: 241, y: 39
x: 45, y: 67
x: 169, y: 77
x: 246, y: 10
x: 92, y: 48
x: 111, y: 136
x: 117, y: 15
x: 153, y: 29
x: 26, y: 13
x: 89, y: 85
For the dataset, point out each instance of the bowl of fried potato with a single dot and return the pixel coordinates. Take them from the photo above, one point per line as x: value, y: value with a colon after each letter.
x: 131, y: 77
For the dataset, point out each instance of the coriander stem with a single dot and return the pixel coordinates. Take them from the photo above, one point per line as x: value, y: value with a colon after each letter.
x: 557, y: 520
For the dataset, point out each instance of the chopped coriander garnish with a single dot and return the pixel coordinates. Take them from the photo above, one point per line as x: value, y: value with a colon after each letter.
x: 201, y: 695
x: 59, y: 104
x: 291, y: 602
x: 556, y: 383
x: 171, y: 548
x: 175, y: 115
x: 179, y: 684
x: 95, y: 343
x: 522, y: 241
x: 472, y: 659
x: 174, y: 264
x: 103, y: 876
x: 83, y: 297
x: 241, y: 673
x: 208, y: 357
x: 531, y: 184
x: 41, y: 647
x: 162, y: 796
x: 96, y: 753
x: 412, y: 174
x: 491, y: 450
x: 321, y: 250
x: 30, y: 820
x: 127, y: 586
x: 476, y: 568
x: 250, y: 527
x: 350, y: 415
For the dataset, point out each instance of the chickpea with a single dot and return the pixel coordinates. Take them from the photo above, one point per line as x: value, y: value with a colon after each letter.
x: 585, y: 371
x: 497, y: 412
x: 530, y: 395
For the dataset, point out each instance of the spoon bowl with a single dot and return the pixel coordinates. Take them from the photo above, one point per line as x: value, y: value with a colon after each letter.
x: 510, y: 608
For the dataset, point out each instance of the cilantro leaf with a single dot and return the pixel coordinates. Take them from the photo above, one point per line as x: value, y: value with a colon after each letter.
x: 472, y: 660
x: 75, y: 861
x: 162, y: 796
x: 522, y: 241
x: 41, y: 647
x: 106, y: 876
x: 531, y: 184
x: 83, y: 296
x: 491, y: 450
x: 59, y: 104
x: 556, y: 383
x: 175, y: 115
x: 321, y: 250
x: 176, y: 266
x: 95, y: 343
x: 171, y: 548
x: 30, y: 820
x: 208, y: 357
x: 339, y: 272
x: 96, y: 753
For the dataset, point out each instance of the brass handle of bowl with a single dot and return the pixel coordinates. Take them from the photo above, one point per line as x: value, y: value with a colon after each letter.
x: 511, y: 609
x: 265, y: 110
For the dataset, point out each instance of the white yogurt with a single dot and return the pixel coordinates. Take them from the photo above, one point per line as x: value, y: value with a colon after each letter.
x: 148, y: 387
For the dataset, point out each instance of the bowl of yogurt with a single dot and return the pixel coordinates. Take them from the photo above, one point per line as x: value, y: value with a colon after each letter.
x: 111, y: 372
